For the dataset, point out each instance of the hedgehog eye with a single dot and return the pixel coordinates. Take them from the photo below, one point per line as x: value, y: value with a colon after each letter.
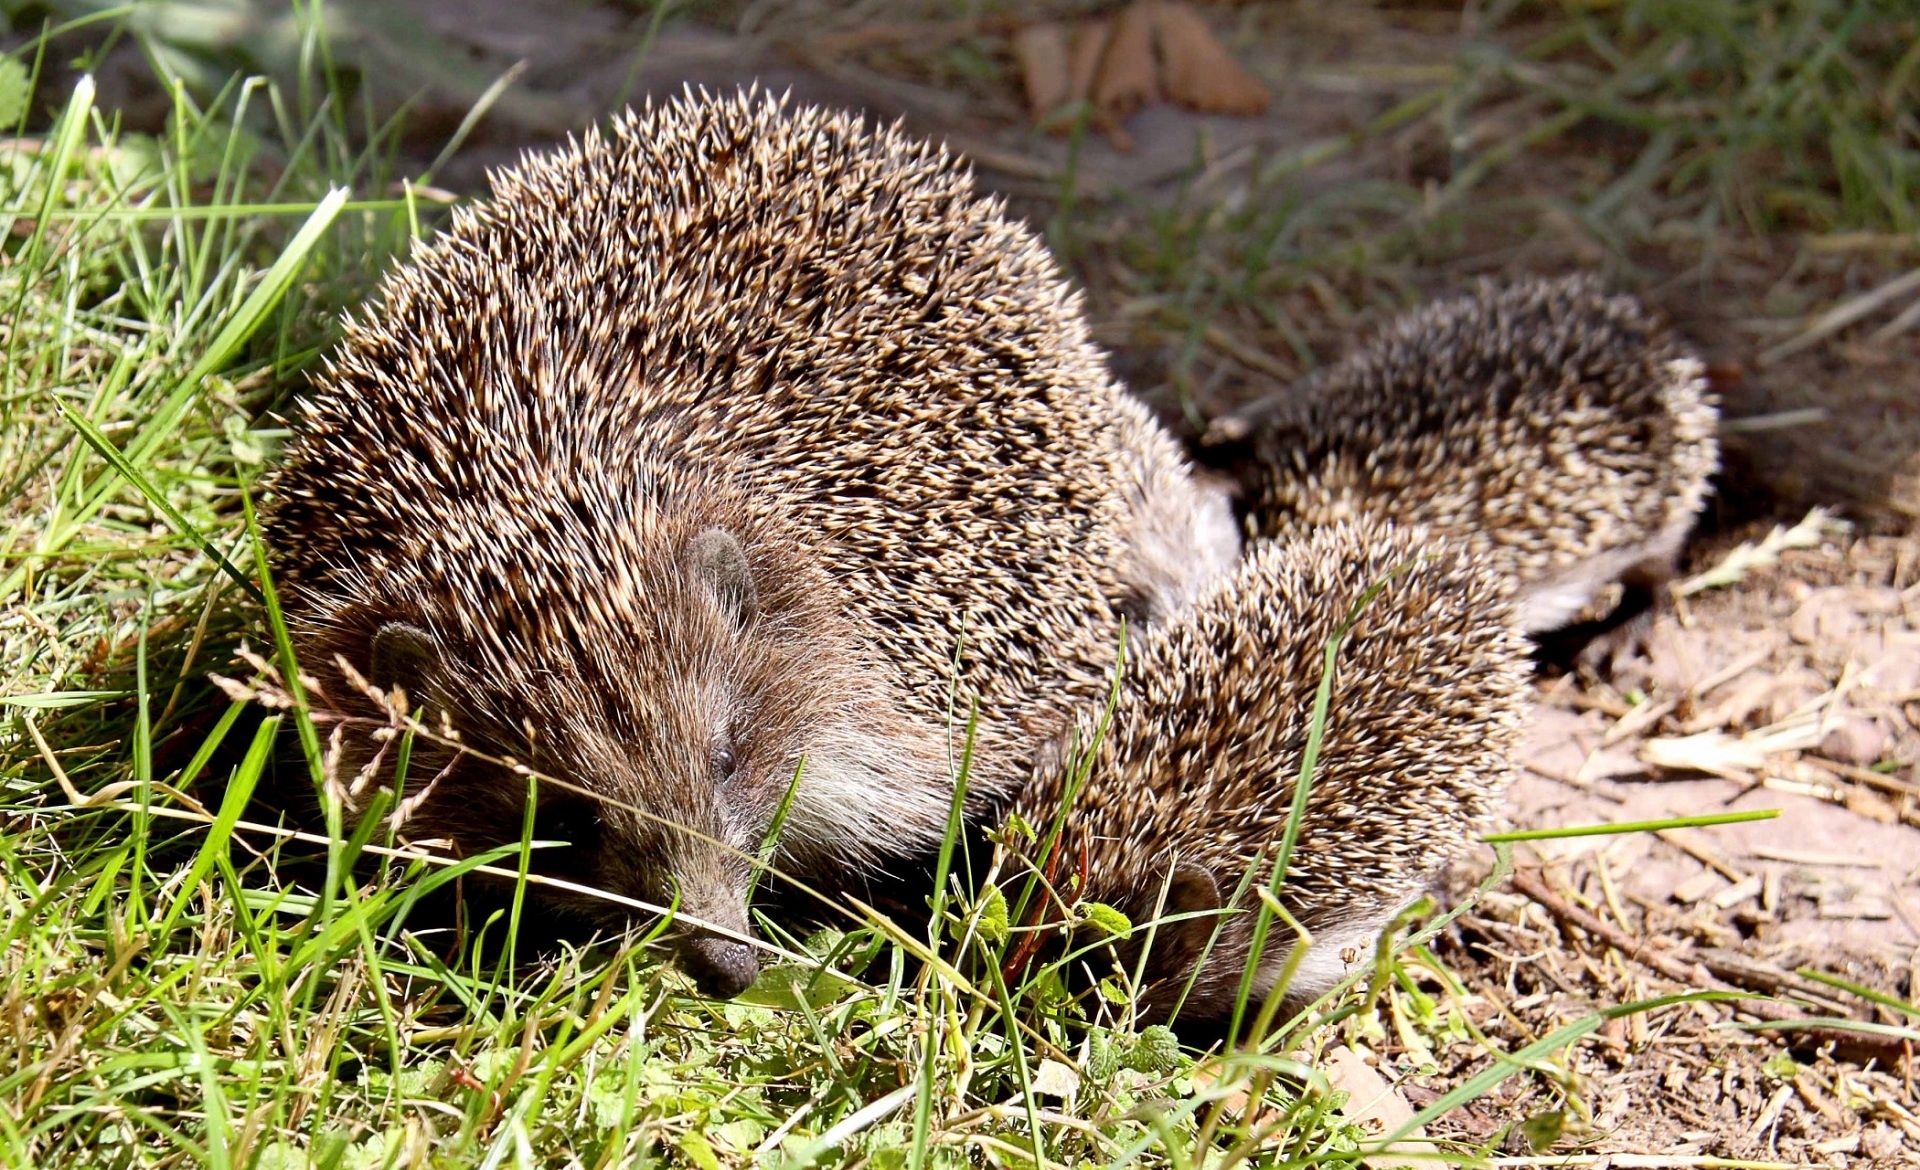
x: 724, y: 761
x: 575, y: 822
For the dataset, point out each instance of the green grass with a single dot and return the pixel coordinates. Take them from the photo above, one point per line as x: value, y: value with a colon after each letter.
x: 183, y: 982
x: 1788, y: 115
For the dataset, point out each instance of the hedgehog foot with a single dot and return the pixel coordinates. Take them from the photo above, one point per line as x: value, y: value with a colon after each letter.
x: 1601, y: 648
x: 1616, y: 644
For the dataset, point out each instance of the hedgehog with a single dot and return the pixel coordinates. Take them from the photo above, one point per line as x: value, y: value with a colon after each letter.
x: 1563, y: 434
x: 1189, y: 789
x: 742, y: 443
x: 1182, y: 534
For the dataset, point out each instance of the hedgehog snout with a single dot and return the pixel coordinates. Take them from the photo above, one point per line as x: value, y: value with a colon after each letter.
x: 721, y: 967
x: 707, y: 883
x: 721, y: 964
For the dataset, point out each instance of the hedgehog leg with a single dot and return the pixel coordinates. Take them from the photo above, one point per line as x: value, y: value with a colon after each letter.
x: 1598, y: 647
x: 1192, y: 784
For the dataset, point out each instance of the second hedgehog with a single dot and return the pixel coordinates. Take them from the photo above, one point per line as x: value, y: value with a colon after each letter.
x: 1188, y: 796
x: 1562, y: 434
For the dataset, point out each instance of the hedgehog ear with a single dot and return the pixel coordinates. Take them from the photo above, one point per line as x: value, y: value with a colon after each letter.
x: 1192, y: 891
x: 405, y: 656
x: 715, y: 556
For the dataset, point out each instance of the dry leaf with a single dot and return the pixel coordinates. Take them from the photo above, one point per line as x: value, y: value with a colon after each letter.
x: 1092, y: 47
x: 1056, y: 1079
x: 1196, y: 68
x: 1121, y: 64
x: 1699, y: 887
x: 1046, y: 69
x: 1089, y: 45
x: 1745, y: 889
x: 1737, y: 758
x: 1235, y: 1099
x: 1376, y: 1107
x: 1127, y: 78
x: 1860, y: 741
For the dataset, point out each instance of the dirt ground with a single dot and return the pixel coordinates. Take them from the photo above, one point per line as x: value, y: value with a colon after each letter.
x: 1795, y: 687
x: 1780, y: 693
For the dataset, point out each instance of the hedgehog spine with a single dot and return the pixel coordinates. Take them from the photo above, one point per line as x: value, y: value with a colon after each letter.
x: 694, y: 455
x: 1563, y: 434
x: 1193, y: 782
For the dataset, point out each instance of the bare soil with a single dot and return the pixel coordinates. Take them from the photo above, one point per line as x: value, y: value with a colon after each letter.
x: 1821, y: 652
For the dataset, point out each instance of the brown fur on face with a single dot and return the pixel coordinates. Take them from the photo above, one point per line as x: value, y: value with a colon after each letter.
x: 673, y: 694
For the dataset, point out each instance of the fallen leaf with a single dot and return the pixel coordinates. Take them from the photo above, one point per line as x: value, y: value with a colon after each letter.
x: 1046, y: 69
x: 1196, y: 68
x: 1743, y: 890
x: 1089, y: 45
x: 1699, y: 887
x: 1127, y: 78
x: 1737, y: 758
x: 1896, y: 665
x: 1234, y: 1100
x: 1749, y: 692
x: 1093, y: 45
x: 1376, y: 1107
x: 1120, y: 64
x: 1860, y: 741
x: 1056, y: 1079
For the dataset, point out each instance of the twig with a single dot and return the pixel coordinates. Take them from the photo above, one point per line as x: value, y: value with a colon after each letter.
x: 1840, y: 316
x: 1647, y: 1162
x: 1750, y: 556
x: 104, y: 796
x: 1779, y: 420
x: 1890, y: 1051
x: 1754, y: 975
x: 1867, y: 776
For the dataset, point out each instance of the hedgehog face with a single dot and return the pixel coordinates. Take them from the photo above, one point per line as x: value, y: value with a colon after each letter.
x: 671, y: 685
x: 673, y: 726
x: 688, y: 743
x: 693, y: 750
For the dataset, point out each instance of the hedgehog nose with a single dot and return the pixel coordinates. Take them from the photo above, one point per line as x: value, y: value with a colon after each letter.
x: 720, y: 967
